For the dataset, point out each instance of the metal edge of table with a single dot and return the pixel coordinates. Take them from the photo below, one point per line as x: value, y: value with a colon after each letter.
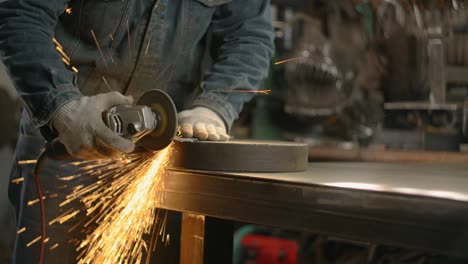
x: 433, y: 224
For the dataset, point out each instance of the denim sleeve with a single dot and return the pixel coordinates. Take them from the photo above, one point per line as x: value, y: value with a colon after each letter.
x: 242, y: 50
x: 26, y: 40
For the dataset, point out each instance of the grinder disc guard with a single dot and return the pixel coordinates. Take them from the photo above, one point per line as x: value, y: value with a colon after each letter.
x: 165, y: 111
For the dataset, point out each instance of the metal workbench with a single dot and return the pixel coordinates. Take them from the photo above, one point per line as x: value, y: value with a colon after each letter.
x: 421, y: 206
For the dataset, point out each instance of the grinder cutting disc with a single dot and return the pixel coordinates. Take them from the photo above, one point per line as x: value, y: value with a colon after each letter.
x: 166, y: 113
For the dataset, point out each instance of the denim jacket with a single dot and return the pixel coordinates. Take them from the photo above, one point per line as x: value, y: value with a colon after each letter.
x: 131, y: 46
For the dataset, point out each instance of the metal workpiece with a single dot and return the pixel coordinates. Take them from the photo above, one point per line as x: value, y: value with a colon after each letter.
x: 414, y: 206
x: 241, y: 156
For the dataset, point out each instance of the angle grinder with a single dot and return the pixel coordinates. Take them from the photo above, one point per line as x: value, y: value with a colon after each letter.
x: 150, y: 124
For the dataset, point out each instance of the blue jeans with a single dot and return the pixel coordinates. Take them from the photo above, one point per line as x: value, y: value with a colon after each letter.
x: 29, y: 145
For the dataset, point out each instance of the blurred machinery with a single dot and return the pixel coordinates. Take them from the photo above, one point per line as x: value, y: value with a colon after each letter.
x: 315, y: 85
x: 360, y: 78
x: 320, y: 102
x: 426, y: 80
x: 321, y: 90
x: 386, y: 73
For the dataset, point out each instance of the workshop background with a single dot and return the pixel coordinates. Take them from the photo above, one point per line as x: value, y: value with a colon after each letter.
x: 380, y: 80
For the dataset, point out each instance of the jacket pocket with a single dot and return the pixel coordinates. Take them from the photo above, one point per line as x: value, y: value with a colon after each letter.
x: 213, y: 3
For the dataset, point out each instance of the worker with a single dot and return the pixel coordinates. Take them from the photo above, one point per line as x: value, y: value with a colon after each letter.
x: 71, y: 60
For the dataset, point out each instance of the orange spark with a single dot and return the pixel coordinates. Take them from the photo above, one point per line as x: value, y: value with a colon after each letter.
x: 168, y: 240
x: 245, y: 91
x: 111, y: 57
x: 120, y: 207
x: 21, y: 230
x: 23, y: 162
x: 106, y: 83
x: 17, y: 181
x: 60, y: 50
x: 60, y: 217
x: 68, y: 11
x: 57, y: 43
x: 69, y: 178
x: 32, y: 202
x: 33, y: 241
x: 99, y: 47
x: 128, y: 214
x: 148, y: 45
x: 66, y: 62
x: 68, y: 217
x: 287, y: 60
x: 54, y: 246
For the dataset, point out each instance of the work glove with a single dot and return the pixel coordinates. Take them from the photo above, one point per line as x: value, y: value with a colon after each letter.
x: 81, y: 129
x: 202, y: 123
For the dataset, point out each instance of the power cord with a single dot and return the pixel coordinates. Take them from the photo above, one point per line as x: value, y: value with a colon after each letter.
x: 53, y: 150
x: 40, y: 162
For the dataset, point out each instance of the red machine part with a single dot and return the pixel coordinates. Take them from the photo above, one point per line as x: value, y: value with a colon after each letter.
x: 269, y: 250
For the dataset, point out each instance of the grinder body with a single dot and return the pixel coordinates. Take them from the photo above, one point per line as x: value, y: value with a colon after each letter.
x: 131, y: 122
x: 151, y: 124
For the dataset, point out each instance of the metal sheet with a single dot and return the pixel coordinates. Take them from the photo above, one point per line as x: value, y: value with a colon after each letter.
x: 415, y: 206
x: 429, y: 180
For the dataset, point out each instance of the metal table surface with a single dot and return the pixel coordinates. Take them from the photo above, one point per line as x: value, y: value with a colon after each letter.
x: 423, y: 206
x: 430, y: 180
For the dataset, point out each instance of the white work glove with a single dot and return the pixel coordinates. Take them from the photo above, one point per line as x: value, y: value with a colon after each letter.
x: 202, y: 123
x: 81, y: 129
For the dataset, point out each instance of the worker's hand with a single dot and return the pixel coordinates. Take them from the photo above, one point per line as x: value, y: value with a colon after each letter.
x: 81, y: 129
x: 202, y: 123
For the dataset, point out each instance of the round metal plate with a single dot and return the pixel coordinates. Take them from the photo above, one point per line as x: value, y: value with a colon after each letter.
x: 241, y: 156
x: 162, y: 104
